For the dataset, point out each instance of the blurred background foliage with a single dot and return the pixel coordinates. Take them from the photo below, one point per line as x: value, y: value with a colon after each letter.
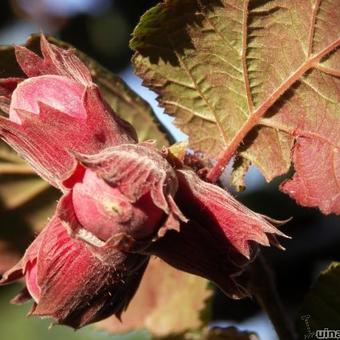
x: 101, y: 29
x: 15, y: 326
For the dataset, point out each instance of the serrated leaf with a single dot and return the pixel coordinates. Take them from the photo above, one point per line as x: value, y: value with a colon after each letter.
x: 124, y: 101
x: 253, y: 78
x: 167, y: 302
x: 321, y: 307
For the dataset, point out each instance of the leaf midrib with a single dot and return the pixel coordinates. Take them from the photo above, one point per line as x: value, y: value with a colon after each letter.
x: 254, y: 118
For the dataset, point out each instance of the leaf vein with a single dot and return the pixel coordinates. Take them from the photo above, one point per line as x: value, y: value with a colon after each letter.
x: 218, y: 32
x: 183, y: 107
x: 328, y: 70
x: 254, y: 118
x: 318, y: 92
x: 224, y: 60
x: 312, y: 27
x: 244, y: 57
x: 337, y: 180
x: 218, y: 123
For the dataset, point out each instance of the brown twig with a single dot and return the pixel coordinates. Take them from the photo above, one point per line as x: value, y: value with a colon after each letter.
x: 262, y: 286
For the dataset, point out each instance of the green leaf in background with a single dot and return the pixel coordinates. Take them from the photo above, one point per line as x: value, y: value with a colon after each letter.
x: 254, y: 77
x: 26, y: 202
x: 321, y: 307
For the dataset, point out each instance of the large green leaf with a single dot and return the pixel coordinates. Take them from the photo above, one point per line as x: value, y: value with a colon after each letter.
x: 321, y: 307
x: 252, y: 77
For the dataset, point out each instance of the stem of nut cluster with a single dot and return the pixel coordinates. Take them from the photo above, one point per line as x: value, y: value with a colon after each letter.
x: 262, y: 286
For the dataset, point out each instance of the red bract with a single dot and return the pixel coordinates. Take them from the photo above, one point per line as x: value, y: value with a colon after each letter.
x: 129, y: 188
x: 58, y: 110
x: 221, y: 237
x: 69, y: 283
x: 122, y: 203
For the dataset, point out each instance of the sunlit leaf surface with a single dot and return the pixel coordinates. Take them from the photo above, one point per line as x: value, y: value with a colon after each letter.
x: 253, y: 77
